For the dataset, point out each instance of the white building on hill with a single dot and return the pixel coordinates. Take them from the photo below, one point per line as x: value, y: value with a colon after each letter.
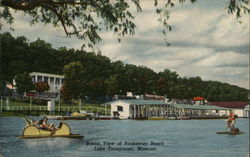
x: 55, y: 81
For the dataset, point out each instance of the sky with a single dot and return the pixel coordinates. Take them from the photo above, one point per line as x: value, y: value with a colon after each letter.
x: 205, y: 41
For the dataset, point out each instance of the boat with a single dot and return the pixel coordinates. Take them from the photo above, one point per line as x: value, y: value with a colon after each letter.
x: 230, y: 133
x: 182, y: 118
x: 103, y: 118
x: 32, y: 131
x: 171, y: 118
x: 82, y: 114
x: 156, y: 118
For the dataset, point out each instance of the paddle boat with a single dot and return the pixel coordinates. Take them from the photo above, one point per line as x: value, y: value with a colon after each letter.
x: 32, y: 131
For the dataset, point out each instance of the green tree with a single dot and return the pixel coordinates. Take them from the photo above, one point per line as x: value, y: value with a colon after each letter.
x: 167, y: 82
x: 24, y: 83
x: 80, y: 18
x: 112, y: 85
x: 94, y: 75
x: 65, y: 91
x: 75, y: 82
x: 85, y: 19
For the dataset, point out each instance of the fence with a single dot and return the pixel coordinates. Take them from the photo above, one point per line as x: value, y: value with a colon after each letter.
x: 6, y: 106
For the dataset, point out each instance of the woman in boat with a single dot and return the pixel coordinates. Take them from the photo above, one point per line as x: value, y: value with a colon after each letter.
x: 46, y: 126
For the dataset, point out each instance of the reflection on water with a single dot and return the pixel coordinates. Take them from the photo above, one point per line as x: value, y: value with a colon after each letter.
x: 179, y: 138
x: 50, y: 142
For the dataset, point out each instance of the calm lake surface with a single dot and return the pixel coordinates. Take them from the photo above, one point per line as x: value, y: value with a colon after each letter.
x: 170, y: 138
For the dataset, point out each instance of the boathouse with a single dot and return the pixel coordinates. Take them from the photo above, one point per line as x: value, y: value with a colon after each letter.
x: 134, y: 108
x: 199, y: 110
x: 143, y: 109
x: 241, y: 109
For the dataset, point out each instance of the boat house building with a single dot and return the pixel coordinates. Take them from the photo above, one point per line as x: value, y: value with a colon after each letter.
x: 144, y: 109
x: 241, y: 109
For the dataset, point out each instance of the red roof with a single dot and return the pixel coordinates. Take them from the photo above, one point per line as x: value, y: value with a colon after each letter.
x: 198, y: 98
x: 31, y: 94
x: 230, y: 104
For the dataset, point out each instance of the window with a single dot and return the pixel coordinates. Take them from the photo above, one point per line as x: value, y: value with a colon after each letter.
x: 52, y: 80
x: 39, y: 79
x: 57, y: 80
x: 46, y: 79
x: 119, y: 108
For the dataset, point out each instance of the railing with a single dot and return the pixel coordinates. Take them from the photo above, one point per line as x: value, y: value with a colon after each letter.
x: 62, y: 109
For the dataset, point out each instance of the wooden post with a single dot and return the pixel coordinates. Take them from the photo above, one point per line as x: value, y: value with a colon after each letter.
x: 80, y: 104
x: 59, y: 102
x: 134, y: 111
x: 30, y: 103
x: 105, y: 110
x: 7, y: 103
x: 1, y: 104
x: 138, y: 111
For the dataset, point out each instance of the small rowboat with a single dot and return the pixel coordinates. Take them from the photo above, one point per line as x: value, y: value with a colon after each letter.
x: 230, y: 133
x: 31, y: 131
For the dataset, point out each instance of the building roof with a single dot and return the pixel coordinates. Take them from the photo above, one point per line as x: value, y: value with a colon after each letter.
x: 230, y: 104
x: 46, y: 74
x: 198, y: 107
x: 198, y: 98
x: 138, y: 102
x: 157, y: 102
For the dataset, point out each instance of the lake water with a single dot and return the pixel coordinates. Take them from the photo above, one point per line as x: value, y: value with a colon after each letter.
x: 170, y: 138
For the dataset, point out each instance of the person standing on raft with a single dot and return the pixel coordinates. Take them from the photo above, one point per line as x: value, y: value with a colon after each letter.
x: 231, y: 121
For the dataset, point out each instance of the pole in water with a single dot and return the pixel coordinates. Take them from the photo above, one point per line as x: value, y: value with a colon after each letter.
x: 1, y: 104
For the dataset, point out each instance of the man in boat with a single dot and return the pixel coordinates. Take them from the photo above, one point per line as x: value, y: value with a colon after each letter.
x: 43, y: 124
x: 231, y: 121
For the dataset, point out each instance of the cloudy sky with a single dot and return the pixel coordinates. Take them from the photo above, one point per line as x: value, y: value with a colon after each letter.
x: 206, y: 41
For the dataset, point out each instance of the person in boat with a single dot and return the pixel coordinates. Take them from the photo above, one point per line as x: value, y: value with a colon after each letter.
x: 43, y: 124
x: 231, y: 121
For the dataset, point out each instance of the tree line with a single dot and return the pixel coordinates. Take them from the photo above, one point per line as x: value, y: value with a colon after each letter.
x: 94, y: 75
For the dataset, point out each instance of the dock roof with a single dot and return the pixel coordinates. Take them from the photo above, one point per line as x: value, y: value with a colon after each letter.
x: 138, y: 102
x: 158, y: 102
x: 199, y: 107
x: 230, y: 104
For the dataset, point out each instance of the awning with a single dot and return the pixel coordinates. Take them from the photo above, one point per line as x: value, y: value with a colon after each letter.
x: 198, y: 107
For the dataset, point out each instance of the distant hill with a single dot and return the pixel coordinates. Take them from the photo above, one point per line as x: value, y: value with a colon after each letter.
x: 98, y: 76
